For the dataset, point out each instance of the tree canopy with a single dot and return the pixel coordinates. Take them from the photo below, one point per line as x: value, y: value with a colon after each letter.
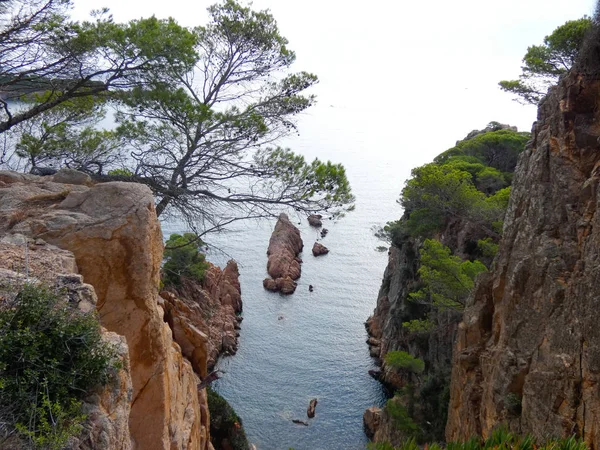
x: 543, y: 64
x: 44, y: 52
x: 199, y: 112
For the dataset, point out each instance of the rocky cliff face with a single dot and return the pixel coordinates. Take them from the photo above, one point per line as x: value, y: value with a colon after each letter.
x: 115, y: 241
x: 207, y: 312
x: 434, y: 347
x: 528, y: 350
x: 107, y: 408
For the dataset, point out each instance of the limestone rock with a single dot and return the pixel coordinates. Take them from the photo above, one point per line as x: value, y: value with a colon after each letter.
x: 314, y: 220
x: 319, y: 249
x: 527, y: 353
x: 283, y: 264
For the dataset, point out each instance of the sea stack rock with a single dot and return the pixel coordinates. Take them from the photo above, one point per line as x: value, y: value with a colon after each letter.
x: 283, y: 264
x: 314, y: 220
x: 319, y: 249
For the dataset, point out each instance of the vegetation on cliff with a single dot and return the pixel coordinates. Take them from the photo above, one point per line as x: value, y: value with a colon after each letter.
x: 51, y: 355
x: 499, y: 439
x: 543, y: 64
x: 453, y: 214
x: 226, y: 429
x: 183, y: 259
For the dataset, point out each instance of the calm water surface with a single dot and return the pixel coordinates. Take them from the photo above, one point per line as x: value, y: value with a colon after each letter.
x: 312, y: 345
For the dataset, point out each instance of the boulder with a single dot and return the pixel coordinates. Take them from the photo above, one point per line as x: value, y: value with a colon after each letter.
x: 71, y: 176
x: 319, y: 249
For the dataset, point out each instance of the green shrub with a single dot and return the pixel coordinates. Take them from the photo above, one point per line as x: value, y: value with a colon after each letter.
x: 487, y: 247
x: 403, y: 360
x: 225, y: 423
x: 121, y: 172
x: 419, y: 325
x: 51, y: 355
x: 401, y: 418
x: 183, y: 259
x: 448, y: 279
x: 500, y: 439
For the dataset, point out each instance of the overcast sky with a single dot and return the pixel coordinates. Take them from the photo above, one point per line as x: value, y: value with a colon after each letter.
x: 412, y: 76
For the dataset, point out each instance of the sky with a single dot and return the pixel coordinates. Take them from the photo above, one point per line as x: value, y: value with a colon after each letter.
x: 413, y: 76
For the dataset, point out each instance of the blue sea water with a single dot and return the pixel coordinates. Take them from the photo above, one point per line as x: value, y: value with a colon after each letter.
x: 312, y: 344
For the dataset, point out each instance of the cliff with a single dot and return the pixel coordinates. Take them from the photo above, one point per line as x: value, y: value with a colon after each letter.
x: 434, y: 347
x: 452, y: 205
x: 114, y: 239
x: 527, y: 351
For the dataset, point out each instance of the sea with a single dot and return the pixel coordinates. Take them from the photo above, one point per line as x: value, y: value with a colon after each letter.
x: 313, y: 344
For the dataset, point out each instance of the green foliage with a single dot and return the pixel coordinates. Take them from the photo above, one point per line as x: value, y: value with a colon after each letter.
x: 448, y: 279
x: 500, y: 439
x: 487, y: 247
x: 435, y: 192
x: 51, y: 355
x: 202, y: 146
x: 403, y: 360
x: 225, y: 423
x: 183, y: 259
x: 498, y: 149
x: 121, y: 172
x: 543, y: 64
x: 400, y: 417
x: 419, y: 325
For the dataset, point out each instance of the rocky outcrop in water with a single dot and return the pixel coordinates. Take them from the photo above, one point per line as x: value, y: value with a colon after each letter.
x: 283, y: 264
x: 312, y: 406
x: 528, y: 350
x: 315, y: 220
x: 114, y: 236
x: 319, y: 249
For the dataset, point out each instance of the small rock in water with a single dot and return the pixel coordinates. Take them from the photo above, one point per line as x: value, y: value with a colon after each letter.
x: 280, y: 318
x: 300, y: 422
x: 315, y: 220
x: 319, y: 249
x: 310, y: 412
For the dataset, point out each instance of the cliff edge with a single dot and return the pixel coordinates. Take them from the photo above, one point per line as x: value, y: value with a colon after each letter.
x: 114, y: 236
x: 528, y: 349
